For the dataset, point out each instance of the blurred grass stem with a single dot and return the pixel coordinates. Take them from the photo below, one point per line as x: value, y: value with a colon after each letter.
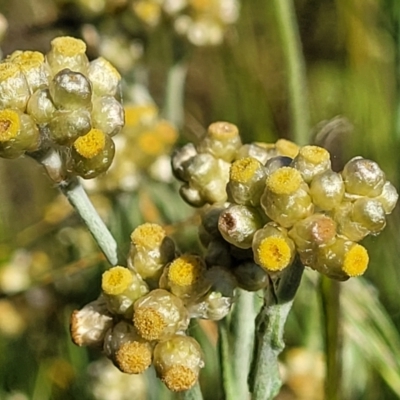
x: 192, y: 394
x: 295, y: 69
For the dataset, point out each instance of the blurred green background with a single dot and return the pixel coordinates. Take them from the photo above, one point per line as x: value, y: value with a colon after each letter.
x: 49, y: 265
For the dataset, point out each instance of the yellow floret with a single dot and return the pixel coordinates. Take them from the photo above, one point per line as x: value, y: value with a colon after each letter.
x: 287, y: 148
x: 134, y: 357
x: 68, y: 46
x: 149, y: 323
x: 274, y: 253
x: 185, y: 270
x: 148, y: 235
x: 314, y: 154
x: 178, y: 378
x: 285, y: 180
x: 149, y: 143
x: 8, y: 70
x: 91, y: 144
x: 166, y: 132
x: 355, y: 261
x: 9, y: 125
x: 26, y: 59
x: 222, y: 131
x: 116, y: 280
x: 243, y: 170
x: 134, y: 115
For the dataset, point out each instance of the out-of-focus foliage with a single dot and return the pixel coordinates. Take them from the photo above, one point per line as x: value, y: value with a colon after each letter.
x: 49, y: 264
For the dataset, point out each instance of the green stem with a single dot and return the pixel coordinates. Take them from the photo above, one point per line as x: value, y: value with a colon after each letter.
x: 295, y: 69
x: 78, y: 198
x: 192, y: 394
x: 242, y: 327
x: 330, y: 300
x: 264, y: 379
x: 175, y: 92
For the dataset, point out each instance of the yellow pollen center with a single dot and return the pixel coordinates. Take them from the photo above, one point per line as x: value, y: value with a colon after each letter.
x: 8, y: 70
x: 148, y: 235
x: 149, y: 323
x: 314, y: 154
x: 355, y: 261
x: 274, y: 253
x: 116, y: 280
x: 285, y: 180
x: 185, y: 270
x: 91, y: 144
x: 223, y: 131
x: 68, y: 46
x: 133, y: 357
x: 178, y: 378
x: 243, y: 170
x: 149, y: 143
x: 27, y: 59
x: 287, y: 148
x: 9, y: 125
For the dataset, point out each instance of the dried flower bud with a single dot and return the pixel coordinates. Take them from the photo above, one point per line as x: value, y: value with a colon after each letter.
x: 89, y: 325
x: 363, y: 177
x: 107, y: 115
x: 277, y: 162
x: 250, y: 276
x: 370, y: 214
x: 129, y: 352
x: 178, y: 361
x: 159, y: 315
x: 388, y: 197
x: 255, y: 151
x: 40, y: 106
x: 14, y: 89
x: 104, y: 77
x: 180, y: 159
x: 286, y: 148
x: 238, y: 225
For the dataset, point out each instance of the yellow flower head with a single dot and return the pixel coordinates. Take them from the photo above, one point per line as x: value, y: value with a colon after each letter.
x: 26, y: 59
x: 148, y: 235
x: 186, y: 270
x: 8, y: 70
x: 314, y: 154
x: 9, y: 125
x: 134, y: 115
x: 116, y: 280
x: 149, y: 323
x: 68, y: 46
x: 178, y: 378
x: 91, y: 144
x: 134, y: 357
x: 355, y: 261
x: 286, y: 148
x: 222, y: 131
x: 243, y: 170
x: 285, y: 180
x: 274, y: 253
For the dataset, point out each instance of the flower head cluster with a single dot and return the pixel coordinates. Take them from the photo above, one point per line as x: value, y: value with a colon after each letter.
x: 152, y: 138
x: 60, y: 100
x: 203, y: 22
x: 266, y: 204
x: 142, y: 314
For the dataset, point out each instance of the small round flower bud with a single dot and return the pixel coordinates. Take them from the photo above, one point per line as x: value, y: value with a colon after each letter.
x: 129, y: 352
x: 250, y: 276
x: 286, y: 148
x: 71, y: 90
x: 159, y: 315
x: 33, y: 67
x: 311, y: 161
x: 151, y: 249
x: 277, y: 162
x: 107, y: 115
x: 342, y: 259
x: 255, y: 151
x: 178, y: 361
x: 222, y: 141
x: 327, y: 190
x: 208, y: 230
x: 272, y: 248
x: 388, y: 197
x: 180, y: 159
x: 89, y: 325
x: 286, y: 199
x: 246, y: 181
x: 18, y: 134
x: 121, y: 288
x: 363, y: 177
x: 238, y: 225
x: 185, y: 277
x: 66, y: 126
x: 92, y: 154
x: 218, y: 253
x: 40, y: 106
x: 14, y: 89
x: 104, y: 77
x: 370, y: 214
x: 209, y: 176
x: 192, y: 196
x: 67, y: 52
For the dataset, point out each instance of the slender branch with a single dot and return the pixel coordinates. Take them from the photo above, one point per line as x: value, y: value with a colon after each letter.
x: 295, y: 69
x: 78, y: 198
x: 192, y: 394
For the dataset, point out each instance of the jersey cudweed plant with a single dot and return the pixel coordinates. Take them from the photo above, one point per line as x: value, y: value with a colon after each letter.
x: 267, y: 212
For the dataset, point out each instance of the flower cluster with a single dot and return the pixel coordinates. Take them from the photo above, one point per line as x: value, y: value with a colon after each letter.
x: 268, y: 203
x: 202, y: 22
x: 152, y: 137
x: 60, y: 101
x: 144, y: 309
